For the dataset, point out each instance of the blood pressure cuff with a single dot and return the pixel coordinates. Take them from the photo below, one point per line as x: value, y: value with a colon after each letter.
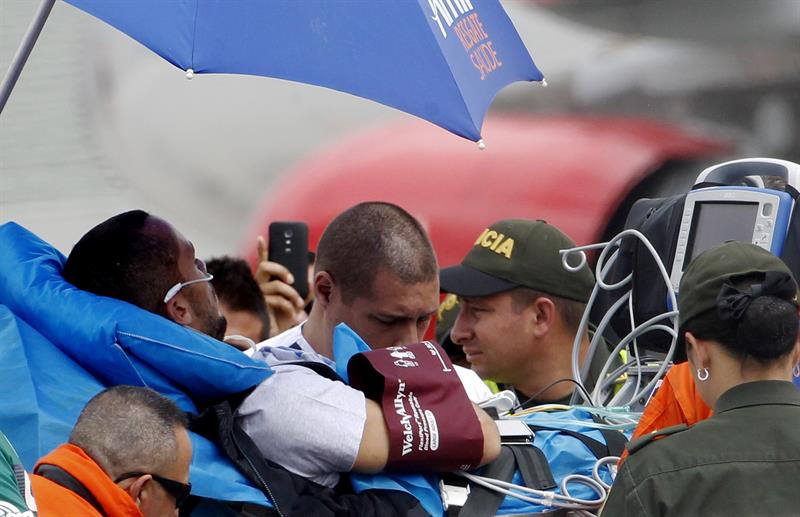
x: 432, y: 424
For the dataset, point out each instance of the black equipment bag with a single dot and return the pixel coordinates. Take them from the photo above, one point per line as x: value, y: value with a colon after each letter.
x: 659, y: 220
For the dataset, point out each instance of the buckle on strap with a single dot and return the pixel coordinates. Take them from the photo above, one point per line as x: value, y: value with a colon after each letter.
x: 454, y: 491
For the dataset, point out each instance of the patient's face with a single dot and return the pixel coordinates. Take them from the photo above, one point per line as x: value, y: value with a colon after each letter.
x: 201, y: 297
x: 393, y: 313
x: 208, y: 317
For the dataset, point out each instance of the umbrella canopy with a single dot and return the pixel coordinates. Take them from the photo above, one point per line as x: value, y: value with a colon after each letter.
x: 441, y: 60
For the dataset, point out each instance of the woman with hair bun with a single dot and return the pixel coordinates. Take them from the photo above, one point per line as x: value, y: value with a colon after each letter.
x: 738, y: 329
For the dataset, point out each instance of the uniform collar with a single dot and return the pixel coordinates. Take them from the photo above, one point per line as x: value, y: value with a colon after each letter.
x: 758, y: 393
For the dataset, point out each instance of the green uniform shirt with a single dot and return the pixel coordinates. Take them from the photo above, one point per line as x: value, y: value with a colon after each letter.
x: 14, y: 501
x: 744, y: 460
x: 601, y: 355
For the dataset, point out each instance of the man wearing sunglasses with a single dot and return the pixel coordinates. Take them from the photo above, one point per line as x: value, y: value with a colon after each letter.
x: 128, y: 455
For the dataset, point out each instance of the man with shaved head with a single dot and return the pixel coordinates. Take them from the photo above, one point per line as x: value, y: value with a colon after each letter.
x: 128, y: 455
x: 377, y: 272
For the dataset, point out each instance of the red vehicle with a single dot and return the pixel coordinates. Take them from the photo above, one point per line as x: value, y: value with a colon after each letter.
x: 579, y: 173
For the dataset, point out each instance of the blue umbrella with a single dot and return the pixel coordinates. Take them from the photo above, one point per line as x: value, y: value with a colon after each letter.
x: 441, y: 60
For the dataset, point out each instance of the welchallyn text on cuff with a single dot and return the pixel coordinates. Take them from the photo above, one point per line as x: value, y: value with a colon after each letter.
x: 432, y: 424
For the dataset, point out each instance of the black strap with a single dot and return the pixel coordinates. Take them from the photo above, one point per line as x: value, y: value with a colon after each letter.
x: 598, y: 448
x: 276, y: 483
x: 19, y: 475
x: 290, y: 493
x: 707, y: 184
x: 535, y: 470
x: 533, y: 465
x: 615, y: 440
x: 483, y: 501
x: 63, y: 478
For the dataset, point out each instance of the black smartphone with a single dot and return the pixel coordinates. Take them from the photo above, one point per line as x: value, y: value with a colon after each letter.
x: 288, y: 246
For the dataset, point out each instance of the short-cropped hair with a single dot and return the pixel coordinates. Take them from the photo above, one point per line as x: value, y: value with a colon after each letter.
x: 129, y: 429
x: 570, y: 311
x: 120, y: 259
x: 237, y: 289
x: 370, y: 237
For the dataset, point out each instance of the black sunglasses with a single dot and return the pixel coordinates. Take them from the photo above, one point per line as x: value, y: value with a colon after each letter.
x: 180, y: 491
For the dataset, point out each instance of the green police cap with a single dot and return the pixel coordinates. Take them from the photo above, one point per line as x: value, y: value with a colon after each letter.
x: 737, y: 263
x: 445, y: 319
x: 518, y: 253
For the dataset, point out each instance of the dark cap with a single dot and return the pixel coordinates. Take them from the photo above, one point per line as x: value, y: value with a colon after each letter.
x: 445, y: 319
x: 736, y: 263
x: 518, y: 253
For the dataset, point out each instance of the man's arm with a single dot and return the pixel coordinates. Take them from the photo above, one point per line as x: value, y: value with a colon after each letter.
x: 373, y: 452
x: 310, y: 425
x: 315, y: 427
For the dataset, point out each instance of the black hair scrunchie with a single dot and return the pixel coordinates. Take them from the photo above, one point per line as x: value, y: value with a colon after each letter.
x: 732, y: 303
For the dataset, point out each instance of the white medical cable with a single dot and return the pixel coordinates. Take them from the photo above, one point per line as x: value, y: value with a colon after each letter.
x: 603, y: 267
x: 555, y: 422
x: 554, y: 499
x: 635, y: 347
x: 613, y: 377
x: 645, y: 327
x: 611, y: 462
x: 673, y: 303
x: 577, y: 373
x: 548, y: 498
x: 597, y: 339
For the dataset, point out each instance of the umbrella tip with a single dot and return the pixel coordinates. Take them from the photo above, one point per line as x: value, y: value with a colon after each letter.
x: 189, y: 73
x: 481, y: 144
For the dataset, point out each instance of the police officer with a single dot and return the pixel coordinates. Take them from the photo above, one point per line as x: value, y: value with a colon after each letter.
x: 521, y: 309
x: 738, y: 327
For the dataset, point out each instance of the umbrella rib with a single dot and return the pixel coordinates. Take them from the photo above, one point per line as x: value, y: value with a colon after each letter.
x: 194, y: 33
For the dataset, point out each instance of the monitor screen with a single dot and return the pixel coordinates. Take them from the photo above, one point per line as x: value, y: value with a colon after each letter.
x: 715, y: 223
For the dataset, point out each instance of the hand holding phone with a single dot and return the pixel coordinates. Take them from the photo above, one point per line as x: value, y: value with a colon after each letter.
x: 288, y: 246
x: 284, y: 305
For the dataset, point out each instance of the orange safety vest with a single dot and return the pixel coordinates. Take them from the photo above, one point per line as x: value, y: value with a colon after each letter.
x: 676, y: 402
x: 53, y: 499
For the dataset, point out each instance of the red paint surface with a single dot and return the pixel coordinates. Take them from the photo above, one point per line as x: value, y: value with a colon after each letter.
x: 571, y: 171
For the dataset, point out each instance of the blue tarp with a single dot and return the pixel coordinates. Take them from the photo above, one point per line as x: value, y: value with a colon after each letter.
x: 59, y: 346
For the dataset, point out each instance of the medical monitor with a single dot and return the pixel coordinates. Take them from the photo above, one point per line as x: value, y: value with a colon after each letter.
x: 716, y: 222
x: 715, y: 215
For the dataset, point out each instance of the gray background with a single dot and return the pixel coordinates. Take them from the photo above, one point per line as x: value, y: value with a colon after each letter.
x: 98, y: 124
